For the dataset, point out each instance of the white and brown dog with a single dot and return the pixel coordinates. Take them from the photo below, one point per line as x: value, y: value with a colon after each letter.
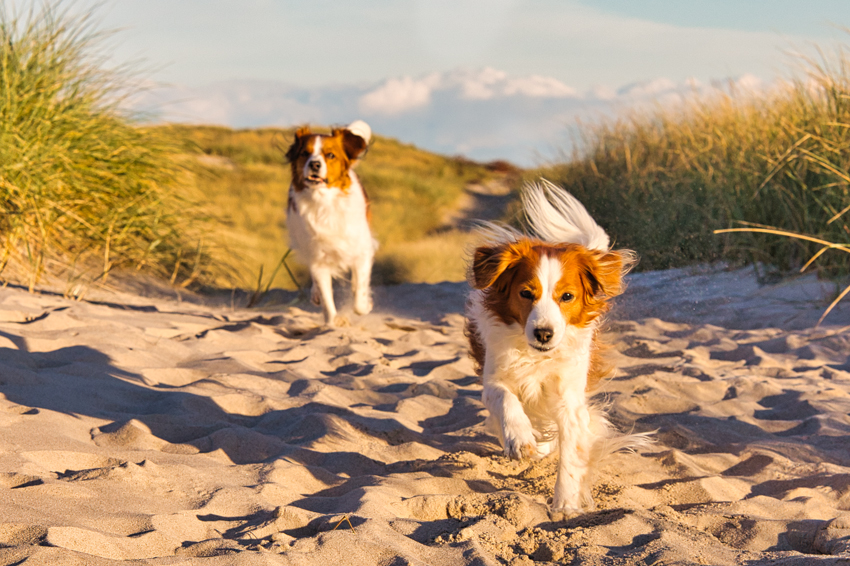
x: 532, y: 322
x: 328, y: 213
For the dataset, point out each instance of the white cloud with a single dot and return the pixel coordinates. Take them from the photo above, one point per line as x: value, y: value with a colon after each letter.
x: 399, y: 95
x: 602, y: 92
x: 748, y: 84
x: 485, y: 114
x: 654, y: 87
x: 480, y: 85
x: 539, y: 87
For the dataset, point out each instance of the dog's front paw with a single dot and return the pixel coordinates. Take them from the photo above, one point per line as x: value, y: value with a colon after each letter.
x: 569, y: 499
x: 520, y: 444
x: 558, y: 516
x: 565, y: 505
x: 363, y: 306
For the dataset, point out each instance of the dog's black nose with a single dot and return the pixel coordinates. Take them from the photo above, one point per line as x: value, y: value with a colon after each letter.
x: 315, y: 166
x: 543, y: 335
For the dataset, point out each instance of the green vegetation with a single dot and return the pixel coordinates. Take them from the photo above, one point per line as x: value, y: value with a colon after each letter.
x: 88, y: 192
x: 662, y: 180
x: 84, y: 191
x: 244, y: 178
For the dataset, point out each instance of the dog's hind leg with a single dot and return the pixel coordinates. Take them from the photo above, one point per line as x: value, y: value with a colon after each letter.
x: 575, y: 442
x: 322, y: 282
x: 361, y: 275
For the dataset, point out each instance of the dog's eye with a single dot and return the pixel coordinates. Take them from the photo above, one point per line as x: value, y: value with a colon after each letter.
x: 526, y: 294
x: 330, y: 156
x: 566, y: 297
x: 305, y: 153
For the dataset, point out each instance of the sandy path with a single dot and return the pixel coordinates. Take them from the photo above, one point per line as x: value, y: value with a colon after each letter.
x: 163, y: 432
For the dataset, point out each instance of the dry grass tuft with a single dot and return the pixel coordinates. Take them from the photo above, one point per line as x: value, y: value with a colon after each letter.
x: 662, y: 180
x: 84, y: 191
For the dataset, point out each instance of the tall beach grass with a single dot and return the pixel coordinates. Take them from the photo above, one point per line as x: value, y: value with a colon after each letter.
x: 662, y: 179
x: 85, y: 190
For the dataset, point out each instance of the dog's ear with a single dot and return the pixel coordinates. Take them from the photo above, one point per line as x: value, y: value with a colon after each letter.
x: 602, y: 273
x: 353, y: 145
x: 489, y: 263
x: 355, y: 139
x: 300, y: 135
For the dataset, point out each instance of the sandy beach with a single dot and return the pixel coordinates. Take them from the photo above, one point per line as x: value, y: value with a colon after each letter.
x: 162, y: 431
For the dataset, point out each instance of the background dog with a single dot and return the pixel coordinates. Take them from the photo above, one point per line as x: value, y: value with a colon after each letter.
x: 328, y: 213
x: 532, y: 321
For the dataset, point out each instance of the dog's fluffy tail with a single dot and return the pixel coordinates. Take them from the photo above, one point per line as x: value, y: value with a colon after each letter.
x: 556, y: 216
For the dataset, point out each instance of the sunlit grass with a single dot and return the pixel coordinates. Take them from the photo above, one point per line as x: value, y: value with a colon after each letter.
x: 430, y: 259
x: 244, y: 179
x: 85, y: 191
x: 662, y: 180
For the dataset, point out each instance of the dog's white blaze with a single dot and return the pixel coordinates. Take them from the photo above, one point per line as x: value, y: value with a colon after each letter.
x: 316, y: 155
x: 546, y: 312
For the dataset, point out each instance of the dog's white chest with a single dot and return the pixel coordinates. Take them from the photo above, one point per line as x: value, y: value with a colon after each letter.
x: 325, y: 212
x: 330, y: 226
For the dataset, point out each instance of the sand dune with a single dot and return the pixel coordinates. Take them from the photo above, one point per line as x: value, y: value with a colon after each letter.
x: 165, y: 432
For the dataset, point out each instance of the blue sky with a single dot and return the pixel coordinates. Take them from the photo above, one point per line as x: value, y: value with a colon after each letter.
x: 486, y: 78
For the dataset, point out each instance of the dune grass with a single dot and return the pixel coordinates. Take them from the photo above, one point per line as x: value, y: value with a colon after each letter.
x: 244, y: 179
x: 88, y: 191
x: 661, y: 180
x: 431, y: 259
x: 84, y: 190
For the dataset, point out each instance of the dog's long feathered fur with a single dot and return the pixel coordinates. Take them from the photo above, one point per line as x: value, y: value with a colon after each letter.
x: 538, y: 397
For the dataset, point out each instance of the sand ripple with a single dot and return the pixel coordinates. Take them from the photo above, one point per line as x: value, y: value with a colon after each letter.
x: 163, y: 432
